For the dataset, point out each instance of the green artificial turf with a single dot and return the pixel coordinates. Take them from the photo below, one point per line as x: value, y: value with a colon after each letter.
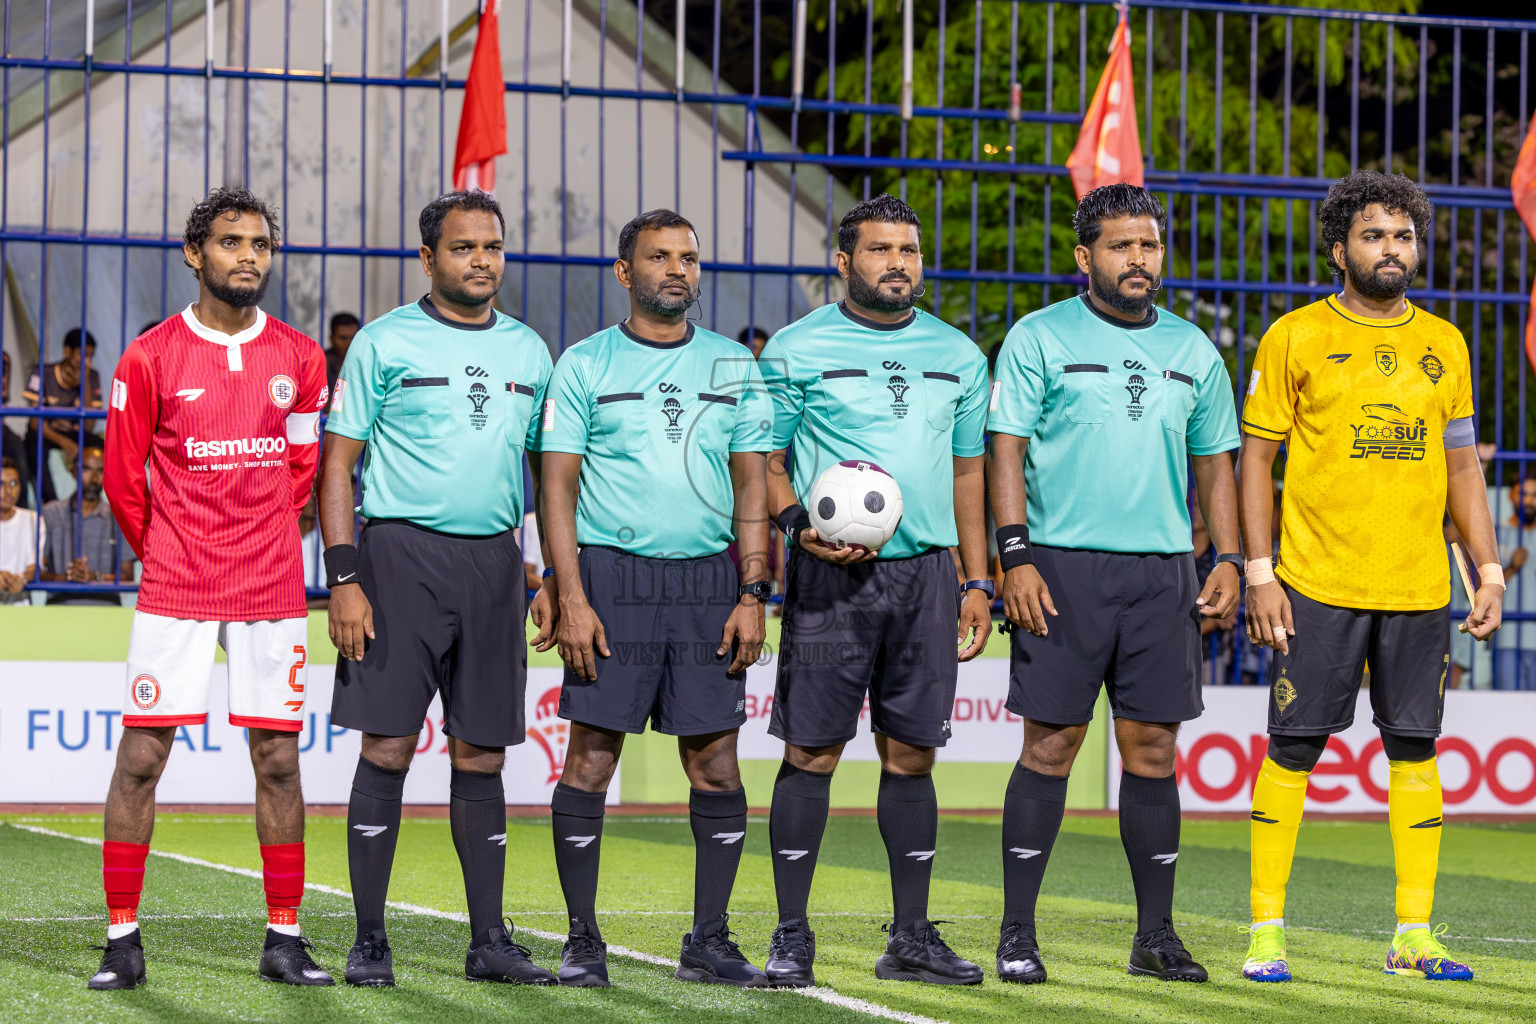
x: 202, y: 927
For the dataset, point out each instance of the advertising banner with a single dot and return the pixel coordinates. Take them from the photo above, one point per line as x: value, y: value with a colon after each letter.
x: 1486, y: 758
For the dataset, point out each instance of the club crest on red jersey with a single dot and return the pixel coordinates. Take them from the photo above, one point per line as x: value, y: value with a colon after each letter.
x: 282, y: 390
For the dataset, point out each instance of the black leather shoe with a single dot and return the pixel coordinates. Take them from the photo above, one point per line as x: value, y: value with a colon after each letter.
x: 1160, y: 954
x: 791, y: 954
x: 919, y: 954
x: 584, y: 958
x: 711, y: 956
x: 122, y: 964
x: 286, y: 959
x: 370, y: 964
x: 1018, y: 956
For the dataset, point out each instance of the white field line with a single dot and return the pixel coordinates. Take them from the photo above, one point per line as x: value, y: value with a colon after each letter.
x: 820, y: 993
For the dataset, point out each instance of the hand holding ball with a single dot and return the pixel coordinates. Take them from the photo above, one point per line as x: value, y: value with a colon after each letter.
x: 855, y: 505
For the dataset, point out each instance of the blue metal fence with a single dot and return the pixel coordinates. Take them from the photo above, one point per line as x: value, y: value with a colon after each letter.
x: 344, y: 111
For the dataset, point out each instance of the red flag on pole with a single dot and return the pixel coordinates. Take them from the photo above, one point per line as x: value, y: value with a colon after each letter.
x: 1109, y: 149
x: 483, y: 122
x: 1523, y: 185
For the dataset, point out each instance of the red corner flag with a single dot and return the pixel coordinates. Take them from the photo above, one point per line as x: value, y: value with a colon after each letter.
x: 1523, y: 185
x: 1109, y: 149
x: 483, y: 121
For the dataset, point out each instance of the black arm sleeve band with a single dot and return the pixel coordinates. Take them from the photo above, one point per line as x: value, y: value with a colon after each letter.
x: 791, y: 521
x: 341, y: 565
x: 1013, y: 548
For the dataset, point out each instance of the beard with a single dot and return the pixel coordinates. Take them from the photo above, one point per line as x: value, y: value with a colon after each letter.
x: 655, y: 303
x: 238, y: 296
x: 1106, y: 288
x: 456, y: 293
x: 91, y: 492
x: 1369, y: 282
x: 871, y: 297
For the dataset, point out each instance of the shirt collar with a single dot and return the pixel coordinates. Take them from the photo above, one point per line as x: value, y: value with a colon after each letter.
x: 1145, y: 322
x: 231, y: 342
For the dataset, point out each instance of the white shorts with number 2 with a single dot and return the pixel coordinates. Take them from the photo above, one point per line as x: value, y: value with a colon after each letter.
x: 170, y: 663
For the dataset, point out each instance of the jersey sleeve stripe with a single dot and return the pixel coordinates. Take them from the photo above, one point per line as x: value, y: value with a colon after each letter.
x: 1254, y: 428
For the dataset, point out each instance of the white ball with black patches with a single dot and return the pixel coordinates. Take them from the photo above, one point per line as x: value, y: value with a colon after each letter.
x: 855, y: 504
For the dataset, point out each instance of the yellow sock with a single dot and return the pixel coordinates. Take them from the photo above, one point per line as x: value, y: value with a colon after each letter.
x: 1278, y: 796
x: 1413, y: 815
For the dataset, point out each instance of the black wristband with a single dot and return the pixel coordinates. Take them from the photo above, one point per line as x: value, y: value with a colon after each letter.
x: 791, y: 521
x: 1013, y: 548
x: 341, y: 565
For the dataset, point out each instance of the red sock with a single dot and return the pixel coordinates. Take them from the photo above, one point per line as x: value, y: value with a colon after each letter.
x: 282, y: 875
x: 122, y: 876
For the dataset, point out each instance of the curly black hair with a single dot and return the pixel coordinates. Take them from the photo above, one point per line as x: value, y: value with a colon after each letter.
x: 883, y: 209
x: 433, y: 214
x: 225, y: 200
x: 1350, y: 195
x: 654, y: 220
x: 1108, y: 202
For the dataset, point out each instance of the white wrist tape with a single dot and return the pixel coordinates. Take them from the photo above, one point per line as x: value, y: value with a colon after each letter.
x: 1493, y: 573
x: 1259, y: 570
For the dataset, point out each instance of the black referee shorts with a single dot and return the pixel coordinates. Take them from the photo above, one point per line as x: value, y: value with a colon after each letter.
x: 1127, y: 622
x: 663, y: 619
x: 1314, y: 685
x: 881, y: 633
x: 448, y: 613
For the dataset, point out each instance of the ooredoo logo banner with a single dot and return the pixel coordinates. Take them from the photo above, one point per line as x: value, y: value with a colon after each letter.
x: 1486, y: 759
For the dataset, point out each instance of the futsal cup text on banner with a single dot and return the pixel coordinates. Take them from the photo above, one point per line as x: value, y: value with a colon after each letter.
x: 61, y: 748
x: 1486, y: 758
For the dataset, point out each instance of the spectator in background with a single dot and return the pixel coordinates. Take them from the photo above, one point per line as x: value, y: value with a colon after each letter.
x: 68, y: 383
x: 18, y: 537
x: 343, y: 327
x: 1472, y: 662
x: 96, y: 561
x: 14, y: 448
x: 754, y: 338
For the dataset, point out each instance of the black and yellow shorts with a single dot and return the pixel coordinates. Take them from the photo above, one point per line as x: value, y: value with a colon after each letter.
x: 1313, y: 688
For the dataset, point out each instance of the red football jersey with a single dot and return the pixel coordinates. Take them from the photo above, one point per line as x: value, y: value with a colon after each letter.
x: 212, y: 444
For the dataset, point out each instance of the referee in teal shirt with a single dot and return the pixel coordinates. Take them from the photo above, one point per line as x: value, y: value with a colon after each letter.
x: 654, y: 444
x: 1099, y: 405
x: 440, y: 397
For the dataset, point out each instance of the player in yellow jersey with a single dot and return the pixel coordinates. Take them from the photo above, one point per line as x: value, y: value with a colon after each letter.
x: 1372, y: 397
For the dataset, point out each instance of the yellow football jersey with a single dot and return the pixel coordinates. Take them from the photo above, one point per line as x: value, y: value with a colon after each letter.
x: 1362, y: 406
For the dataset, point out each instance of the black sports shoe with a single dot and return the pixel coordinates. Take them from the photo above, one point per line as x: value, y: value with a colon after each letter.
x: 370, y: 964
x: 584, y: 958
x: 709, y: 955
x: 122, y: 964
x: 286, y: 959
x: 791, y: 952
x: 1018, y: 955
x: 503, y: 960
x: 920, y: 955
x: 1159, y: 953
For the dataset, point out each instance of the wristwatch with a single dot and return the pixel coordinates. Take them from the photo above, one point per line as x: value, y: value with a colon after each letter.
x: 1236, y: 561
x: 982, y: 585
x: 762, y: 590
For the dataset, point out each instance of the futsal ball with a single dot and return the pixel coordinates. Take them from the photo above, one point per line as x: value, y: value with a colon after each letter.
x: 855, y: 504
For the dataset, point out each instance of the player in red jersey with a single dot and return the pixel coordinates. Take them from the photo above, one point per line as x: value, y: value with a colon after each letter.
x: 218, y: 407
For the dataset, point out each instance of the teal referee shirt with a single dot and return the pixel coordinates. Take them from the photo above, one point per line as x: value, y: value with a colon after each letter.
x: 1113, y: 412
x: 447, y: 410
x: 908, y: 397
x: 655, y: 424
